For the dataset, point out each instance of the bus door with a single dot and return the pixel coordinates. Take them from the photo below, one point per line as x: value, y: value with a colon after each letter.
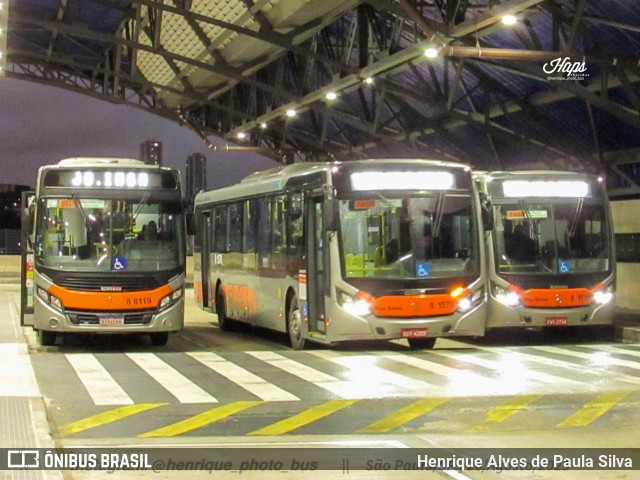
x: 205, y: 260
x: 316, y: 253
x: 26, y: 250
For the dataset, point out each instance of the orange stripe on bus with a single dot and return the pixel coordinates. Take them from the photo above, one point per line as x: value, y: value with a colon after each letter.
x: 110, y: 301
x: 554, y: 297
x: 413, y: 305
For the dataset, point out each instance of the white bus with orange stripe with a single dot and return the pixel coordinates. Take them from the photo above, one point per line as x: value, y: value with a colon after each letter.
x: 336, y: 252
x: 109, y: 249
x: 550, y: 255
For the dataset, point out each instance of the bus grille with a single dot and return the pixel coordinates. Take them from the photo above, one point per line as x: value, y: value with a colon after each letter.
x: 98, y: 284
x: 93, y: 319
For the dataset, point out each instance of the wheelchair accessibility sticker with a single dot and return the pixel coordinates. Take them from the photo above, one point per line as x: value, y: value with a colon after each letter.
x: 423, y: 270
x: 119, y: 263
x: 564, y: 266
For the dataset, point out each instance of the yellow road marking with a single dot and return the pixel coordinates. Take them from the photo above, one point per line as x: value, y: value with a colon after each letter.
x: 200, y: 420
x: 107, y: 417
x: 593, y: 409
x: 304, y: 418
x: 511, y: 407
x: 403, y: 415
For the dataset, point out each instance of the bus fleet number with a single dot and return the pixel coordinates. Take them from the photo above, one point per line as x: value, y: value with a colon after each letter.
x: 139, y: 301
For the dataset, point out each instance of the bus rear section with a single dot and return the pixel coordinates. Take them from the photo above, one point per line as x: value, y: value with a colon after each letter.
x: 551, y: 261
x: 109, y: 250
x: 351, y: 251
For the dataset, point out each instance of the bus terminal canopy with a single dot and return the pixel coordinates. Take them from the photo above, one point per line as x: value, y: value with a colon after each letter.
x: 496, y: 84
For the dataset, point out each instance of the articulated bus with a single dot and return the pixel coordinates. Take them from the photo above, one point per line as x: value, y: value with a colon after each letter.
x: 336, y: 252
x: 550, y: 250
x: 109, y: 249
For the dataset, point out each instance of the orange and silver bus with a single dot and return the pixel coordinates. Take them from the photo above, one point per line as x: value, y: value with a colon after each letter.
x: 346, y: 251
x: 109, y: 249
x: 550, y: 250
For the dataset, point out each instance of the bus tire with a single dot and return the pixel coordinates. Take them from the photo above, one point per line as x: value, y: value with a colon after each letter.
x: 224, y: 322
x: 159, y: 338
x: 294, y: 324
x: 46, y: 338
x: 421, y: 343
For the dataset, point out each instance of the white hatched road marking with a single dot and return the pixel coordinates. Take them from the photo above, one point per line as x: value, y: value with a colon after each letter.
x: 100, y: 385
x: 364, y: 366
x: 358, y: 388
x: 511, y: 367
x: 177, y: 384
x: 600, y: 359
x: 242, y: 377
x: 460, y: 381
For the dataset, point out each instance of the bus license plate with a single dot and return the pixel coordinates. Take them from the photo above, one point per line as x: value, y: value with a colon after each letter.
x: 414, y: 332
x: 557, y: 321
x: 112, y: 320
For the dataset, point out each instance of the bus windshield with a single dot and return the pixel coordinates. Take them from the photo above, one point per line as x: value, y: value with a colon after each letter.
x: 542, y: 237
x: 92, y: 234
x: 410, y: 237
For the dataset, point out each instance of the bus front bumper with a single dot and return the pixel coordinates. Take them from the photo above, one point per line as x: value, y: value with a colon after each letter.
x: 48, y: 318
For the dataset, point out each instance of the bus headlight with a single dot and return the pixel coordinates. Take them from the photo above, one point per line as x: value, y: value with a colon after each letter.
x: 169, y: 300
x: 355, y: 305
x: 470, y: 301
x: 603, y: 296
x: 49, y: 299
x: 506, y: 297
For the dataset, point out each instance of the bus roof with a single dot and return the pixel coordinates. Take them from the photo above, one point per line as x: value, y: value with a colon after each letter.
x: 99, y: 161
x: 275, y: 179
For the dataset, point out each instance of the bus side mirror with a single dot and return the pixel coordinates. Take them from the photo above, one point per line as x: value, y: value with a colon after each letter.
x: 486, y: 211
x: 191, y: 223
x: 331, y: 217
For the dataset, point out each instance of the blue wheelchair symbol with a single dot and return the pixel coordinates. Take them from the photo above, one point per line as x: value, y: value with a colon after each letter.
x: 564, y: 266
x: 119, y: 263
x: 423, y: 270
x: 305, y: 311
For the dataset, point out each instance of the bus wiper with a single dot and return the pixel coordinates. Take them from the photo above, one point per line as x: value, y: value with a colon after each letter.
x: 143, y: 201
x: 437, y: 221
x: 576, y: 216
x: 78, y: 204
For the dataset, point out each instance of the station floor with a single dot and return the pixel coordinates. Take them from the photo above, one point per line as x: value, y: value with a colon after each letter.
x: 22, y: 406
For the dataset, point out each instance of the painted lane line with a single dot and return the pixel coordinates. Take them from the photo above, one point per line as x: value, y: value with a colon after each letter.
x: 304, y: 418
x: 594, y: 409
x: 105, y: 418
x: 404, y: 415
x: 100, y: 385
x: 356, y: 389
x: 242, y: 377
x: 173, y: 381
x: 200, y: 420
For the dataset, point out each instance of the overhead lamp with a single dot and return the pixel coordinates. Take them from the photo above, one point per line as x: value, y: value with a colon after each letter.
x: 431, y: 52
x: 331, y: 95
x: 241, y: 135
x: 263, y: 125
x: 291, y: 113
x: 368, y: 80
x: 509, y: 19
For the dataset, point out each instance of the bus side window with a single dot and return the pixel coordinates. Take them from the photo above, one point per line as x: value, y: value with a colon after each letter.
x: 235, y: 227
x: 220, y: 229
x: 250, y: 226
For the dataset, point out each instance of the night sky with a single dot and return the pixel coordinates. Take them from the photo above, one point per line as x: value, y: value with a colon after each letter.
x: 41, y: 124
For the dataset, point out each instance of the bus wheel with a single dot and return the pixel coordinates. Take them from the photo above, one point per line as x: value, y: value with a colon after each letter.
x: 294, y: 325
x: 224, y: 323
x: 159, y: 338
x: 421, y: 343
x: 46, y: 338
